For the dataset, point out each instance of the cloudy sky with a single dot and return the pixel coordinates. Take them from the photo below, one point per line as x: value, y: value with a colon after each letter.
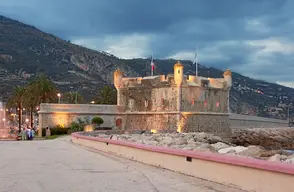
x: 253, y: 37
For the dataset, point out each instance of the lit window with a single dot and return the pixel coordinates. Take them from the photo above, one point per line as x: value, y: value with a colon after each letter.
x: 217, y: 104
x: 193, y: 101
x: 205, y: 103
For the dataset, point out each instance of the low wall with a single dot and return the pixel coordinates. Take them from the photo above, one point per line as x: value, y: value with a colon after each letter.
x: 51, y: 115
x: 245, y: 173
x: 247, y: 121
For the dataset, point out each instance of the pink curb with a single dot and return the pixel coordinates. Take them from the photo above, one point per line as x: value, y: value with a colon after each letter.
x: 207, y: 156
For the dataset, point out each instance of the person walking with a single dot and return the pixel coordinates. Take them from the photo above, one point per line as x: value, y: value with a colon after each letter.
x: 32, y: 134
x: 48, y: 132
x: 29, y: 132
x: 23, y: 134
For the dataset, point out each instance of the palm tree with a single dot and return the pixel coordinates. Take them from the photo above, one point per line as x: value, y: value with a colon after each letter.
x: 43, y: 89
x: 107, y: 95
x: 72, y: 98
x: 17, y: 101
x: 30, y: 103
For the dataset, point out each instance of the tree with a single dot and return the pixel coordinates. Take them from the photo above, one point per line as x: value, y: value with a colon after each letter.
x: 97, y: 121
x: 107, y: 95
x: 30, y: 103
x: 17, y: 101
x: 72, y: 98
x: 43, y: 89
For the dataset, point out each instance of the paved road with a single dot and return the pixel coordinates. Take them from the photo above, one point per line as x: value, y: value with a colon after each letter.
x: 58, y: 165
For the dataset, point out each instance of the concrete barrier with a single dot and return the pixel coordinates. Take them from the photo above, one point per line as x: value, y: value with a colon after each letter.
x: 244, y: 173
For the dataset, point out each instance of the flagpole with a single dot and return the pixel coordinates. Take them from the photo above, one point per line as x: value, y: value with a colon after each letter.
x: 196, y: 63
x: 151, y: 64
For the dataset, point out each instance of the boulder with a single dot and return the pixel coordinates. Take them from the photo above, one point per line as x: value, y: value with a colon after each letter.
x: 200, y: 137
x: 219, y: 145
x: 237, y: 149
x: 278, y: 158
x: 290, y: 159
x: 166, y: 141
x: 180, y: 141
x: 252, y: 151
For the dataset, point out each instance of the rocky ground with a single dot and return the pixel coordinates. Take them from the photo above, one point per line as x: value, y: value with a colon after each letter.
x: 202, y: 142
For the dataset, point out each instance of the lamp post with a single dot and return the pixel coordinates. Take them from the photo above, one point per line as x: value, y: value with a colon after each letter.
x: 290, y: 105
x: 58, y: 95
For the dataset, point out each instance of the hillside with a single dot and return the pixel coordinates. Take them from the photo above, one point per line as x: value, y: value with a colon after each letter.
x: 26, y: 51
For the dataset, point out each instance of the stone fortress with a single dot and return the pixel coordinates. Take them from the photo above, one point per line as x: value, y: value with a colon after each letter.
x: 162, y: 103
x: 175, y: 102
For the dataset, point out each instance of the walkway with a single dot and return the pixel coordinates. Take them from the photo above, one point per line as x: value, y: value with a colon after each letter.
x: 58, y: 165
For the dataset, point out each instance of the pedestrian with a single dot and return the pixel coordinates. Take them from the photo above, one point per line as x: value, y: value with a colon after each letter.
x: 48, y: 132
x: 29, y: 132
x: 23, y: 134
x: 32, y: 134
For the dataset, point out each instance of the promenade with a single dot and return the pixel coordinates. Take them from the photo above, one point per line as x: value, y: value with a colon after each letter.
x: 59, y: 165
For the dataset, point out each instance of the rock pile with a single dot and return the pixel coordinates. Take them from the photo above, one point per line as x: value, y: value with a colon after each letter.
x: 203, y: 142
x: 279, y: 138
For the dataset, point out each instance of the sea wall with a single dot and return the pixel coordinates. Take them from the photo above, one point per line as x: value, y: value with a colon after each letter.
x: 246, y: 121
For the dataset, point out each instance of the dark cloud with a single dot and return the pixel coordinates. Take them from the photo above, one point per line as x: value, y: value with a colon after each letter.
x: 249, y: 36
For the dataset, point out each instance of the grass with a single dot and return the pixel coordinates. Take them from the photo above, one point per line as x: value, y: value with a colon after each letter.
x: 53, y: 136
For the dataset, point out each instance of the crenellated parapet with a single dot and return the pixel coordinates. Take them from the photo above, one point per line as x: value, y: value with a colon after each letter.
x: 171, y: 80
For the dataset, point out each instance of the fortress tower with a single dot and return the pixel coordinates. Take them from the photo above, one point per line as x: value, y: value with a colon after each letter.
x: 174, y: 102
x: 117, y: 81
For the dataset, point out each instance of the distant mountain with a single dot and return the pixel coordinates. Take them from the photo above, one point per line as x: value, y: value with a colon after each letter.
x: 26, y: 51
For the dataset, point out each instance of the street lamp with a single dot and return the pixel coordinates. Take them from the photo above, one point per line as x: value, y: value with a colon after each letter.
x: 290, y: 105
x: 58, y: 95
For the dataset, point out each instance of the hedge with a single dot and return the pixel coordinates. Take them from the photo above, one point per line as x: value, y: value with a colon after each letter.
x: 56, y: 131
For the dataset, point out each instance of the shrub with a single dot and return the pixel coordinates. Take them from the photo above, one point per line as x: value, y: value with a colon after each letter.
x: 78, y: 125
x: 58, y: 130
x: 97, y: 121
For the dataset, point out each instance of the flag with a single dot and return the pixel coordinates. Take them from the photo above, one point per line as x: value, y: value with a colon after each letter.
x: 152, y: 65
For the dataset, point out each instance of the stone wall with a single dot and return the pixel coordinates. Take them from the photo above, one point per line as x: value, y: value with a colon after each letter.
x: 51, y: 115
x: 141, y: 99
x: 196, y: 99
x: 206, y: 122
x: 151, y: 121
x: 246, y: 121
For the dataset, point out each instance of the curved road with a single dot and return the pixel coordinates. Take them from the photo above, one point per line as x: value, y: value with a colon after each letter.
x: 58, y: 165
